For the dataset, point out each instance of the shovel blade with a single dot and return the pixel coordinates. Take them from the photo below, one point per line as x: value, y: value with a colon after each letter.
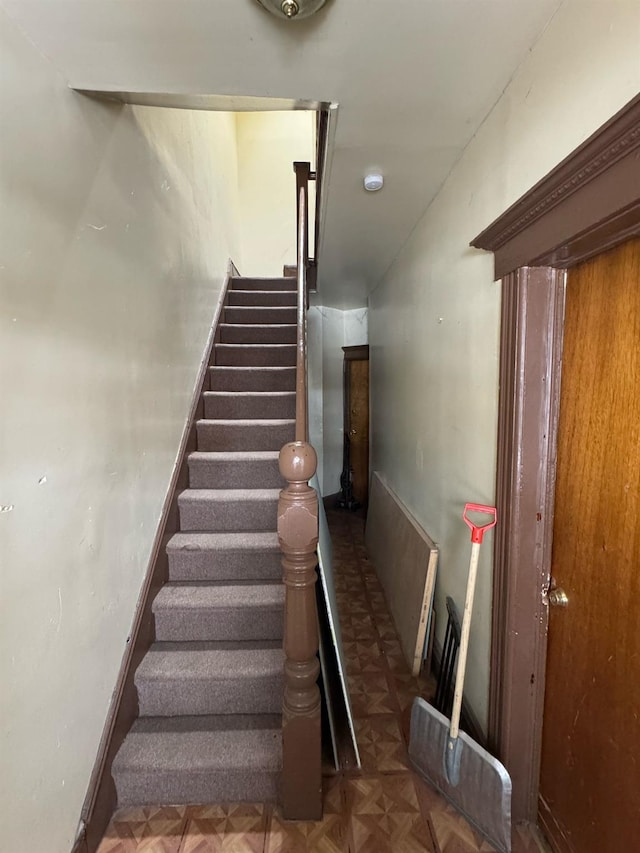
x: 483, y: 791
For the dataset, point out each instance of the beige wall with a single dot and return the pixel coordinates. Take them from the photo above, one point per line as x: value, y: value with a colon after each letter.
x: 268, y: 145
x: 434, y: 320
x: 116, y: 227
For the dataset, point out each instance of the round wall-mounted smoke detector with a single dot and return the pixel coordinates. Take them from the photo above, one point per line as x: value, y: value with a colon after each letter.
x: 292, y: 10
x: 373, y: 183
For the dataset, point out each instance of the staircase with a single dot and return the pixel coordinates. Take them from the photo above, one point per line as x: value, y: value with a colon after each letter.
x: 210, y: 688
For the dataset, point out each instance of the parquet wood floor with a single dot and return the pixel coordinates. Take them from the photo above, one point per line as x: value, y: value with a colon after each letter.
x: 384, y: 807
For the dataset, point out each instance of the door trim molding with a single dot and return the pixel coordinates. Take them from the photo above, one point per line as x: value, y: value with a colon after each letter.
x: 356, y: 353
x: 531, y: 357
x: 586, y: 205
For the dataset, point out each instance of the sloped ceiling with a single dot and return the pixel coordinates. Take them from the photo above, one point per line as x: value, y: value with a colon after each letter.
x: 413, y: 80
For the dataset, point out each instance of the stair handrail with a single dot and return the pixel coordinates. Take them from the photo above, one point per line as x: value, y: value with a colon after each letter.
x: 302, y: 404
x: 301, y: 789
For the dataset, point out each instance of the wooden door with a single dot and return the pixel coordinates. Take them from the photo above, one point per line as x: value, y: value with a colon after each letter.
x: 590, y: 775
x: 357, y: 418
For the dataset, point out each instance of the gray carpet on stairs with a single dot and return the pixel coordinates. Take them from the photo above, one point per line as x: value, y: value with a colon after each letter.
x: 228, y: 509
x: 247, y: 283
x: 256, y: 355
x: 237, y: 434
x: 224, y: 556
x: 250, y: 404
x: 252, y: 378
x: 247, y: 469
x: 250, y: 314
x: 231, y: 333
x: 211, y: 678
x: 210, y: 687
x: 267, y: 298
x: 202, y: 759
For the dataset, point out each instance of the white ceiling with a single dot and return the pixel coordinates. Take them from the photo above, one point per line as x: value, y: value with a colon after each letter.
x: 413, y: 79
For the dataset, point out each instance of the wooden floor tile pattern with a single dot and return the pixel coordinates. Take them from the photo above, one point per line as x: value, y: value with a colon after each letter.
x: 232, y: 828
x: 385, y: 807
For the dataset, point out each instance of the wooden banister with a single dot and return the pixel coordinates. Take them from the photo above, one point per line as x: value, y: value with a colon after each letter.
x: 303, y: 176
x: 301, y: 317
x: 298, y: 537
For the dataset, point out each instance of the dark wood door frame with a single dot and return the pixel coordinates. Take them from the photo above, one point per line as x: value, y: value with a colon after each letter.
x: 359, y: 352
x: 586, y: 205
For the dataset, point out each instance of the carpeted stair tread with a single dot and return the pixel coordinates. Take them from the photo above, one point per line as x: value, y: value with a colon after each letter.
x: 224, y: 495
x: 211, y: 660
x: 267, y: 298
x: 212, y: 612
x: 211, y: 678
x: 242, y: 469
x: 232, y: 542
x: 219, y: 596
x: 259, y: 283
x: 260, y: 315
x: 210, y: 688
x: 235, y: 455
x: 250, y: 405
x: 258, y: 333
x: 206, y: 759
x: 244, y: 434
x: 230, y: 378
x: 228, y: 509
x: 255, y: 355
x: 218, y: 557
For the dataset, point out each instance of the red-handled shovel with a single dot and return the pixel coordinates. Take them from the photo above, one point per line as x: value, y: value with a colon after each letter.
x: 473, y: 781
x: 452, y: 758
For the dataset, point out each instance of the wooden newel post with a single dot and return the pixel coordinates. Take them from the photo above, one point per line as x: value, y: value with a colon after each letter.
x: 301, y: 726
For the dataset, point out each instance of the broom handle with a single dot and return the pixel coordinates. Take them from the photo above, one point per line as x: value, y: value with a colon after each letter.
x: 464, y: 640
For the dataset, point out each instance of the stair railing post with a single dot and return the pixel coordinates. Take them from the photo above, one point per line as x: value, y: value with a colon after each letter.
x: 298, y: 537
x: 301, y: 727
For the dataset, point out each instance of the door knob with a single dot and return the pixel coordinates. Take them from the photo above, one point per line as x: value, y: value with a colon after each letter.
x: 352, y: 432
x: 558, y: 598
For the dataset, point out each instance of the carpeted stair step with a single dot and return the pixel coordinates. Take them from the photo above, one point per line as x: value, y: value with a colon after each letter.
x: 228, y: 509
x: 190, y: 760
x: 244, y: 434
x: 219, y: 612
x: 281, y: 283
x: 210, y: 688
x: 224, y: 556
x: 177, y: 679
x: 258, y: 333
x: 252, y: 378
x: 268, y: 298
x: 255, y: 355
x: 262, y: 405
x: 256, y: 469
x: 248, y: 314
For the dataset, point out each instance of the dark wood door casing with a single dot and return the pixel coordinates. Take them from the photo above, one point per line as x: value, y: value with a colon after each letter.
x: 531, y: 355
x: 356, y: 417
x: 358, y: 425
x: 588, y: 204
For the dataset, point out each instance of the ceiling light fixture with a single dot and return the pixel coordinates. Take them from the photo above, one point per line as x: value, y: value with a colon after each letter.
x: 373, y: 183
x: 292, y: 9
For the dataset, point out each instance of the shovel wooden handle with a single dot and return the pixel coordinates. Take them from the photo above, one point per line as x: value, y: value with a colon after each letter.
x: 464, y: 641
x: 477, y: 531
